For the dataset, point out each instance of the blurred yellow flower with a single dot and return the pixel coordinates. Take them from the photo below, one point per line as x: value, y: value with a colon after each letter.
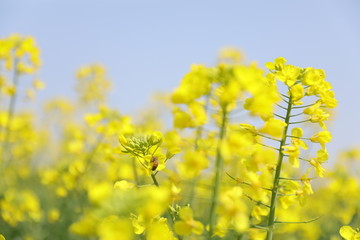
x: 187, y: 225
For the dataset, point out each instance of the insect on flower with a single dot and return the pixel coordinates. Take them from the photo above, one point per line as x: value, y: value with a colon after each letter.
x: 155, y: 163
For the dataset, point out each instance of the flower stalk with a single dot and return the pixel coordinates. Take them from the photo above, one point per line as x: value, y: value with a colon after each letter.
x: 271, y: 220
x: 11, y: 110
x: 218, y: 172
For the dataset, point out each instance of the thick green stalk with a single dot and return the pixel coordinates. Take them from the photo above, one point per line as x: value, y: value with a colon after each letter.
x: 218, y: 173
x: 271, y: 220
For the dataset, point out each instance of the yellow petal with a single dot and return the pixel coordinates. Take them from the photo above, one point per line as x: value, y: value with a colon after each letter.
x: 182, y: 228
x: 198, y: 228
x: 186, y: 213
x: 347, y: 232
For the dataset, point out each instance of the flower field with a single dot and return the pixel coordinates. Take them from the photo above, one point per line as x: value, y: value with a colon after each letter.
x: 245, y: 156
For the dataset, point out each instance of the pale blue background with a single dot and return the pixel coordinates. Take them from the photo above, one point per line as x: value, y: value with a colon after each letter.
x: 149, y: 45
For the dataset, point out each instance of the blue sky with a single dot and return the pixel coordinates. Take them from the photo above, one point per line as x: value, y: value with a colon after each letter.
x: 148, y: 46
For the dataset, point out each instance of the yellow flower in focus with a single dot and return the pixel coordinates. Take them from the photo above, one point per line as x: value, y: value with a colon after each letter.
x: 155, y: 161
x: 297, y: 93
x: 290, y: 191
x: 296, y: 134
x: 288, y: 74
x: 322, y: 138
x: 322, y: 155
x: 319, y: 169
x: 313, y: 76
x: 307, y: 186
x: 278, y: 64
x: 328, y: 99
x: 348, y: 233
x: 187, y: 225
x: 138, y: 223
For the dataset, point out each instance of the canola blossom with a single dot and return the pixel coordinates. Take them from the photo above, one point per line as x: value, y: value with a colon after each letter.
x: 245, y: 158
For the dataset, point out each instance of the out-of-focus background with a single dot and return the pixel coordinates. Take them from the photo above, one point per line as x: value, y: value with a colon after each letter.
x: 148, y: 46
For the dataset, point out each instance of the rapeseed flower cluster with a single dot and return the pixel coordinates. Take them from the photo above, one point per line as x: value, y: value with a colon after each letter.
x: 239, y: 161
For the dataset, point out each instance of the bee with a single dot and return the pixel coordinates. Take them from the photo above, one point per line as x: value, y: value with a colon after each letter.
x: 155, y: 163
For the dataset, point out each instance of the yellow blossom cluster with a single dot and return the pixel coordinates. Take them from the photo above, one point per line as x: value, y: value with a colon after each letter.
x: 239, y: 161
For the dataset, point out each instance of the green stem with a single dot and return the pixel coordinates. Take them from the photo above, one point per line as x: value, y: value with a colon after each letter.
x: 11, y: 110
x: 218, y: 173
x: 271, y: 220
x: 154, y: 180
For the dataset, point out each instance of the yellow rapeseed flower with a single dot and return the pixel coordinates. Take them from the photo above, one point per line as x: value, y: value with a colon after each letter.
x: 322, y: 138
x: 187, y: 225
x: 348, y: 233
x: 273, y: 127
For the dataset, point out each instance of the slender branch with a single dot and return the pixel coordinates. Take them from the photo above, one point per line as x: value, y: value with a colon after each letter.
x: 298, y: 137
x: 286, y: 96
x: 308, y: 120
x: 144, y: 185
x: 245, y: 183
x: 256, y: 201
x: 298, y: 179
x: 303, y: 159
x: 305, y: 106
x: 267, y: 146
x: 281, y: 106
x: 284, y: 100
x: 284, y: 195
x: 278, y: 116
x: 278, y: 140
x: 298, y: 114
x: 308, y: 221
x: 260, y: 227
